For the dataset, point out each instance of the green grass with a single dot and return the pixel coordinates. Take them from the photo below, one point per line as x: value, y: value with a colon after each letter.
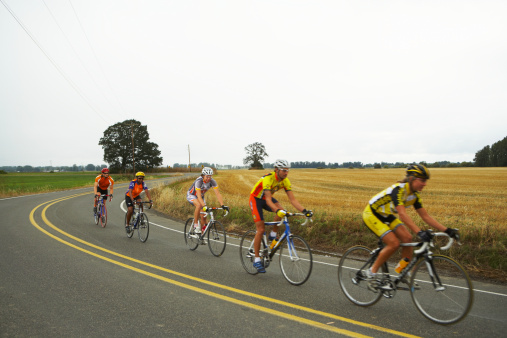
x: 33, y: 183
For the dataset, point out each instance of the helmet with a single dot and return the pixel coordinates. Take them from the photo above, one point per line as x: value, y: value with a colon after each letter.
x: 207, y: 171
x: 418, y: 171
x: 140, y: 173
x: 282, y: 164
x: 105, y: 171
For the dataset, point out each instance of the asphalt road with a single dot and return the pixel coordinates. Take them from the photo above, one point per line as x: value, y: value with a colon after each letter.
x: 62, y: 275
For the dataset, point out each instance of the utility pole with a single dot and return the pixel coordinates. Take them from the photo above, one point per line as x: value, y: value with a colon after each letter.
x: 189, y: 167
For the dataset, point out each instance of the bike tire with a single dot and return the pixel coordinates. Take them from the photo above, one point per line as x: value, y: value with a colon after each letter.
x: 452, y: 302
x: 129, y: 230
x: 96, y: 216
x: 217, y: 239
x: 297, y: 262
x: 143, y: 228
x: 188, y: 233
x: 246, y: 252
x: 103, y: 216
x: 352, y: 277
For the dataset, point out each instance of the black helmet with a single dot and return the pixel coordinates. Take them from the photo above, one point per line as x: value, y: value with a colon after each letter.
x: 418, y: 171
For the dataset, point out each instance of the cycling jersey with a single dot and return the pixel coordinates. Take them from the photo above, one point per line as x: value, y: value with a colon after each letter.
x: 104, y: 182
x: 137, y: 188
x: 270, y: 182
x: 383, y: 205
x: 200, y: 185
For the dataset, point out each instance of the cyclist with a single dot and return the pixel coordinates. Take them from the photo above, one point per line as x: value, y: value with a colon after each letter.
x: 261, y: 197
x: 132, y: 196
x: 195, y: 195
x: 102, y: 182
x: 386, y: 215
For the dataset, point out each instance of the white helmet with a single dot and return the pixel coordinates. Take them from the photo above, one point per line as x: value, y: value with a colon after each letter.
x: 207, y: 171
x: 282, y: 164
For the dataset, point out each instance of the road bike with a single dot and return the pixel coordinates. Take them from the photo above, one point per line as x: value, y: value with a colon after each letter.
x: 296, y: 261
x: 213, y: 231
x: 101, y: 214
x: 440, y: 288
x: 139, y: 221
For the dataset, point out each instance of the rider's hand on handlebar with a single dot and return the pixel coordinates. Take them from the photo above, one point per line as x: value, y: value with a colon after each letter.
x: 453, y: 233
x: 425, y: 235
x: 225, y: 207
x: 308, y: 213
x: 281, y: 213
x: 205, y: 208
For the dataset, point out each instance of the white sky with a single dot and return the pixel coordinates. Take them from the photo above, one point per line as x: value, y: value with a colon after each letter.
x: 332, y: 81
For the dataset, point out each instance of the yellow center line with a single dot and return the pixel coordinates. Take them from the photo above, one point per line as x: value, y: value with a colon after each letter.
x: 203, y: 281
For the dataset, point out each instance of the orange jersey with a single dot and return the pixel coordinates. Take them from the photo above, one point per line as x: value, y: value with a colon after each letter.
x: 136, y: 188
x: 104, y: 182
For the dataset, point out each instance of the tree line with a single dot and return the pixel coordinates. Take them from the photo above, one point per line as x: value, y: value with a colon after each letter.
x: 494, y: 156
x: 31, y: 169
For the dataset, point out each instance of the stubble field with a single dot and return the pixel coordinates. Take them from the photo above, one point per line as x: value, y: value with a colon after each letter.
x: 471, y: 199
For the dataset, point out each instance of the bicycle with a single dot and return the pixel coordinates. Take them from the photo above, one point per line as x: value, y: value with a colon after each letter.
x: 214, y: 230
x: 139, y: 221
x: 296, y: 265
x: 101, y: 214
x: 440, y: 288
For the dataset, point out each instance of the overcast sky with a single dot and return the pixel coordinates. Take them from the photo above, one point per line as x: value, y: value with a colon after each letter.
x: 332, y: 81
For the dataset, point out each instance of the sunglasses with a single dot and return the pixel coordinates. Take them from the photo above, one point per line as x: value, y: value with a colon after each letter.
x: 285, y: 170
x: 140, y: 178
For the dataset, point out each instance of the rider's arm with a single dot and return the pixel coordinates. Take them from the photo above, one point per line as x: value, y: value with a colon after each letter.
x: 294, y: 201
x: 148, y: 194
x: 430, y: 220
x: 219, y: 196
x: 198, y: 193
x: 95, y: 185
x: 405, y: 218
x: 269, y: 201
x: 112, y: 187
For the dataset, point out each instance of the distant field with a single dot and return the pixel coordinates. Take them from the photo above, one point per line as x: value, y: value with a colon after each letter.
x: 471, y: 199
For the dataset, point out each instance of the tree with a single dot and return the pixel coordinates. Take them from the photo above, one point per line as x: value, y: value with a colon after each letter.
x: 126, y: 142
x: 483, y: 157
x: 256, y: 154
x: 90, y: 167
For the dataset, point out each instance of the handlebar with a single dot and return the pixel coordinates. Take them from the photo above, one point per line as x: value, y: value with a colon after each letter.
x: 210, y: 209
x: 150, y: 203
x: 290, y: 214
x: 425, y: 245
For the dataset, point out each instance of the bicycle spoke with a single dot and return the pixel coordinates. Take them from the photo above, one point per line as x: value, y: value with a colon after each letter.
x: 190, y: 238
x: 246, y: 252
x: 143, y: 228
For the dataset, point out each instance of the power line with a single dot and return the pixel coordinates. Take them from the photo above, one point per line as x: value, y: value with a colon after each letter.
x: 72, y: 84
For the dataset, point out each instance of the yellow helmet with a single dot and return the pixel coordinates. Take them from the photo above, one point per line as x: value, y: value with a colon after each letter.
x: 140, y: 173
x: 419, y: 171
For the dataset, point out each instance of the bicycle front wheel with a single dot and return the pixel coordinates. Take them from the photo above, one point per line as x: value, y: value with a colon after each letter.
x: 352, y: 276
x: 190, y: 238
x: 246, y: 252
x: 103, y: 216
x: 143, y: 228
x: 96, y: 216
x: 216, y: 238
x: 443, y: 292
x: 296, y: 261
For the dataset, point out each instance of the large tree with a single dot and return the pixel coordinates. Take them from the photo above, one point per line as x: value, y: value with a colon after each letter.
x: 256, y: 154
x: 126, y: 142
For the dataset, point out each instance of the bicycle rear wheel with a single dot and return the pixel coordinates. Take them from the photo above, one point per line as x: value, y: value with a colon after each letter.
x: 352, y: 276
x: 445, y: 292
x: 296, y: 263
x: 96, y: 216
x: 216, y: 238
x: 246, y: 252
x: 129, y: 230
x: 103, y: 215
x: 143, y: 228
x: 191, y: 241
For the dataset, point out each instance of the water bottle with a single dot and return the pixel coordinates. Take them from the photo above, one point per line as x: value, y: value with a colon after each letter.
x: 401, y: 265
x: 273, y: 243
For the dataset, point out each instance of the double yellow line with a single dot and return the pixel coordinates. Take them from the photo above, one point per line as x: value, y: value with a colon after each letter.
x: 203, y: 281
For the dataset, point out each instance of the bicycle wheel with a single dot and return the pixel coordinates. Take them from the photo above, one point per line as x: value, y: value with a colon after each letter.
x: 143, y: 228
x: 246, y: 252
x: 352, y: 276
x: 190, y: 240
x: 103, y: 215
x: 296, y: 260
x: 216, y: 238
x: 445, y: 292
x: 96, y: 216
x: 129, y: 230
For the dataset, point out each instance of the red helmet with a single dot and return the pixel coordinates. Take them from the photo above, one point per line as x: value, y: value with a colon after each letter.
x: 105, y: 171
